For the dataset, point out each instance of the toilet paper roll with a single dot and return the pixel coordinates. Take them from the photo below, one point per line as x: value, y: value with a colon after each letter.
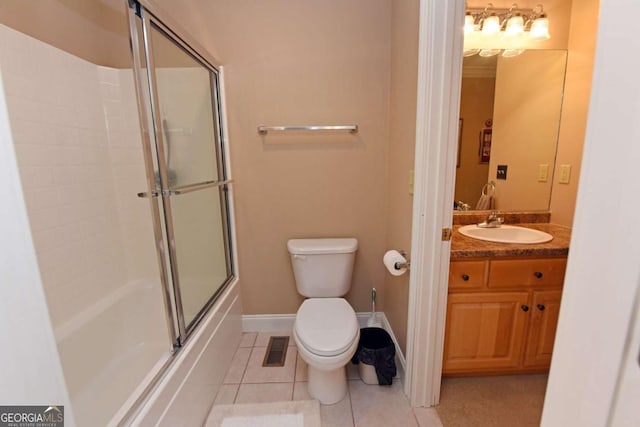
x: 390, y: 259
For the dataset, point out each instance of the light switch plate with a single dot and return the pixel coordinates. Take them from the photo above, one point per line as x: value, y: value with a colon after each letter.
x: 543, y: 172
x: 501, y: 172
x: 565, y: 174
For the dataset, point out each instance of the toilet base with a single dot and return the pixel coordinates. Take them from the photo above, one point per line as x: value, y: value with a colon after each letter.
x: 328, y: 387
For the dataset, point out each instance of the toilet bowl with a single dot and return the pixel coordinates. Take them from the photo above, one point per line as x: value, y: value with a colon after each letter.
x: 326, y: 333
x: 326, y: 329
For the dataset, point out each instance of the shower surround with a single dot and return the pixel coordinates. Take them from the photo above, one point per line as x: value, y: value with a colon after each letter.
x: 76, y: 135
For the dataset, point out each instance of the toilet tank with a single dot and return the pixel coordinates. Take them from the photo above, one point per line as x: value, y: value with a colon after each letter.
x: 322, y: 267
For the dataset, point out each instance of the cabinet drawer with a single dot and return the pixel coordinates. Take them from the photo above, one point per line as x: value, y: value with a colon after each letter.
x: 467, y: 275
x: 527, y: 273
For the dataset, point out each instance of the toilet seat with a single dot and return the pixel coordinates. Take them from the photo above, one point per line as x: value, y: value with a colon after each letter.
x: 326, y: 326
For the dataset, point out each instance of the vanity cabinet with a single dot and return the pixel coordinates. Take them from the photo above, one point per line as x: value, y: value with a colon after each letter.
x: 502, y: 315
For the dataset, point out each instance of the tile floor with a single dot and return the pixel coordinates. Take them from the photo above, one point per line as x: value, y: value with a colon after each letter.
x: 364, y: 405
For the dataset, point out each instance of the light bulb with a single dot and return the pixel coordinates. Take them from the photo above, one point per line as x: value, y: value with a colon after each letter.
x: 490, y: 25
x: 486, y: 53
x: 469, y: 24
x: 515, y: 26
x: 470, y: 52
x: 540, y: 28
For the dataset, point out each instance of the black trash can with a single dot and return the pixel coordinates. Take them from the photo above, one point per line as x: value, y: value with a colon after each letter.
x: 376, y: 349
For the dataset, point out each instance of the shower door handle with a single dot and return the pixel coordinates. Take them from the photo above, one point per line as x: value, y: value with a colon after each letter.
x: 149, y: 194
x: 176, y: 191
x: 184, y: 189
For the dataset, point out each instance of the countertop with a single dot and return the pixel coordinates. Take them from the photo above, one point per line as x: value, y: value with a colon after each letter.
x: 463, y: 247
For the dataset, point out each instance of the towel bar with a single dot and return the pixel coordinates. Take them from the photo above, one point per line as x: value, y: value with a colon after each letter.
x: 262, y: 130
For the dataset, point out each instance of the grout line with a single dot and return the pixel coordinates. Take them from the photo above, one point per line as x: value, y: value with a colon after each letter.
x: 295, y: 372
x: 274, y: 382
x: 415, y: 418
x: 246, y: 366
x: 353, y: 417
x: 235, y: 395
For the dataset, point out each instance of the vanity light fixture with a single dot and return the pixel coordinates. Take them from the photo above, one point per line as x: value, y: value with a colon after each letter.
x: 503, y: 25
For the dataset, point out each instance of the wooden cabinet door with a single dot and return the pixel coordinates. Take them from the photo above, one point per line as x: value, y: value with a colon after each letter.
x: 542, y: 329
x: 485, y: 331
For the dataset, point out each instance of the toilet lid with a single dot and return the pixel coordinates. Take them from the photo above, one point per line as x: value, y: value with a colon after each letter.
x: 326, y: 326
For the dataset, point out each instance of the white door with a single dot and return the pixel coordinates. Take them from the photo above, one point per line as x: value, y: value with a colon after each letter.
x: 603, y: 269
x: 625, y: 411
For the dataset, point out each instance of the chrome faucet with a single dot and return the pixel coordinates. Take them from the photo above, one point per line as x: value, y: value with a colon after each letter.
x: 462, y: 206
x: 492, y: 221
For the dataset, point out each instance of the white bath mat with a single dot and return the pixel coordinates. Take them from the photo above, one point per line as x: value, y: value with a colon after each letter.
x: 286, y: 420
x: 300, y: 413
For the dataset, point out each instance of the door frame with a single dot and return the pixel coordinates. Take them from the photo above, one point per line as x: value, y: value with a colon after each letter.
x: 438, y: 106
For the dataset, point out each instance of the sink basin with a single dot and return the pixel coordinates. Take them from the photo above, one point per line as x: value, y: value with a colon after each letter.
x: 506, y: 234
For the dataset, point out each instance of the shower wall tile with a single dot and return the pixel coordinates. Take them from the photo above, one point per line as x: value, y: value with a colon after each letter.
x: 57, y: 118
x: 80, y: 177
x: 127, y: 168
x: 28, y: 132
x: 109, y: 90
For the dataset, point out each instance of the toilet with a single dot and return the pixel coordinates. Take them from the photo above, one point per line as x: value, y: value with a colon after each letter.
x: 326, y: 330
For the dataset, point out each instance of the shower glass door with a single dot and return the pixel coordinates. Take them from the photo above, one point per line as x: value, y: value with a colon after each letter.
x: 191, y: 178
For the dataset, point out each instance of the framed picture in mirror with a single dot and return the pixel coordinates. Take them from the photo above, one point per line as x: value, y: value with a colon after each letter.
x: 484, y: 151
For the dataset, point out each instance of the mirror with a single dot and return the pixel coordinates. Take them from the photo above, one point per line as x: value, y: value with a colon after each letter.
x: 509, y: 122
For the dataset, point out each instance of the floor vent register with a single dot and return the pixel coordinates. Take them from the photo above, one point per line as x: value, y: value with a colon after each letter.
x: 276, y: 353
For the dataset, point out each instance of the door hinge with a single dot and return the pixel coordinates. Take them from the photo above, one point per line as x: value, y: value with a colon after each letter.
x: 446, y: 234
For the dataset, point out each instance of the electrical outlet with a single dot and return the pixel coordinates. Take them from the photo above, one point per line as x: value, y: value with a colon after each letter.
x: 543, y: 173
x: 565, y: 174
x: 502, y: 172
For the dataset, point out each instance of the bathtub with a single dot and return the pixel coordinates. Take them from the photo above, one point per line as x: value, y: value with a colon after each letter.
x: 111, y: 350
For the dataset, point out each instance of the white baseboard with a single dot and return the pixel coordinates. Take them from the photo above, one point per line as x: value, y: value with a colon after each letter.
x: 284, y: 322
x: 401, y: 362
x: 267, y: 322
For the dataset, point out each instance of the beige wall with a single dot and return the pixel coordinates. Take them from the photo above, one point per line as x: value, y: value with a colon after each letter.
x: 302, y: 62
x: 476, y: 106
x: 526, y: 113
x: 94, y: 30
x: 404, y: 77
x: 582, y: 42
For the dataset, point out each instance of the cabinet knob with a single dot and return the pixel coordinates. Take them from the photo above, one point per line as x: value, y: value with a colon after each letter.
x: 538, y: 274
x: 465, y: 277
x: 540, y: 307
x: 524, y: 308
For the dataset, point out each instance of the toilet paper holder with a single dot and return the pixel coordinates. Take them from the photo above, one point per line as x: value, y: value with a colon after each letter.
x: 401, y: 265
